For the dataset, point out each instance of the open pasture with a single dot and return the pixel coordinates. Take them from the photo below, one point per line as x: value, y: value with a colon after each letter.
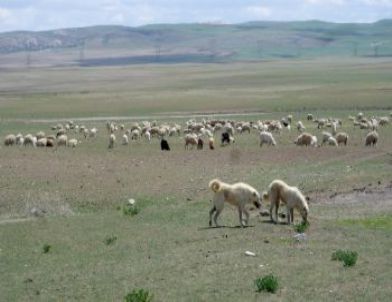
x: 167, y: 247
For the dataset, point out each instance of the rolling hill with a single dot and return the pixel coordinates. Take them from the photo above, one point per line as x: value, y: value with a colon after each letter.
x: 164, y: 43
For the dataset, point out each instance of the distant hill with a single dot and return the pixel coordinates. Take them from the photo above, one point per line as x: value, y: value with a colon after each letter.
x: 117, y: 45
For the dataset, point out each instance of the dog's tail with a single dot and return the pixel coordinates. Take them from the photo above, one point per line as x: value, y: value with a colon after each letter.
x: 215, y: 185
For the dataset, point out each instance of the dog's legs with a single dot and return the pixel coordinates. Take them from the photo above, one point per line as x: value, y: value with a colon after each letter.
x: 271, y: 209
x: 217, y: 213
x: 276, y: 211
x: 292, y: 215
x: 288, y: 213
x: 240, y: 216
x: 212, y: 212
x: 246, y: 216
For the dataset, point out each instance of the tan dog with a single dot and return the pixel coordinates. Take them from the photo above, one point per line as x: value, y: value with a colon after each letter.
x: 238, y: 194
x: 293, y: 198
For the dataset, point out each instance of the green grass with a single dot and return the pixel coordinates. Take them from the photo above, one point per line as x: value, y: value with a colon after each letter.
x: 268, y: 283
x: 140, y: 295
x: 349, y: 258
x: 383, y: 222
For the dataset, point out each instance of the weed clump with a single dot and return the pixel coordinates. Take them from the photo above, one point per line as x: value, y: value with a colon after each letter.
x: 138, y: 295
x: 130, y: 210
x: 301, y: 227
x: 349, y: 258
x: 46, y: 248
x: 268, y: 283
x: 110, y: 240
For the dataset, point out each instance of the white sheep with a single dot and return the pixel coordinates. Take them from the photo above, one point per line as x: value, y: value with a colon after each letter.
x: 19, y: 139
x: 42, y: 142
x: 267, y: 138
x: 10, y: 140
x: 371, y: 139
x: 332, y: 141
x: 125, y: 140
x: 112, y: 139
x: 72, y: 142
x: 325, y: 136
x: 30, y: 140
x: 300, y: 126
x: 62, y: 140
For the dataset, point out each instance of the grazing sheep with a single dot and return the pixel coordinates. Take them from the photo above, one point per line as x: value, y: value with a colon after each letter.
x: 300, y: 126
x: 371, y: 139
x: 384, y: 121
x: 325, y: 136
x: 50, y: 141
x: 190, y: 139
x: 200, y: 144
x: 42, y: 142
x: 62, y: 140
x: 279, y: 191
x: 112, y: 140
x: 211, y: 143
x: 40, y: 135
x: 135, y: 134
x: 342, y: 138
x: 93, y: 132
x: 332, y: 141
x: 164, y: 145
x: 60, y: 132
x: 238, y: 195
x: 10, y: 140
x: 310, y: 117
x: 30, y: 140
x: 125, y: 140
x: 19, y: 139
x: 147, y: 134
x: 306, y: 139
x: 267, y: 138
x: 72, y: 142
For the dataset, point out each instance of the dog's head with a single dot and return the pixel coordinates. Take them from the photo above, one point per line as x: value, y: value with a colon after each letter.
x: 256, y: 199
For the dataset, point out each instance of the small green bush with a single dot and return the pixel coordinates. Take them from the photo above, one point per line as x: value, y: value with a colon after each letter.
x: 349, y: 258
x: 110, y: 240
x: 130, y: 210
x: 139, y: 295
x: 268, y: 283
x: 46, y: 248
x: 302, y: 227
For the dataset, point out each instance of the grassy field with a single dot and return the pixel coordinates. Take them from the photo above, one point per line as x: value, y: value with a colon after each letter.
x: 168, y: 248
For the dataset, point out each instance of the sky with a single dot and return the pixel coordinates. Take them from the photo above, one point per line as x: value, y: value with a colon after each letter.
x: 53, y: 14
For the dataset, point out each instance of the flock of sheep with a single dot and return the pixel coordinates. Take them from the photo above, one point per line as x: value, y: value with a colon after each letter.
x: 198, y: 133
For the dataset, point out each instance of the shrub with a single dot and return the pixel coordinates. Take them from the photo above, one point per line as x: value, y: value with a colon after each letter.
x: 139, y: 295
x: 109, y: 240
x: 349, y: 258
x: 268, y: 283
x: 46, y: 248
x: 302, y: 227
x: 130, y: 210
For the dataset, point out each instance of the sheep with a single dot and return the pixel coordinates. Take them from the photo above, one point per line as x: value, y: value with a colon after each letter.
x: 306, y: 139
x: 42, y: 142
x: 112, y: 139
x: 290, y: 118
x: 279, y: 191
x: 200, y: 143
x: 62, y: 140
x: 300, y: 126
x: 190, y: 139
x: 164, y: 145
x: 19, y: 139
x: 325, y: 136
x: 267, y: 138
x: 93, y: 132
x: 384, y: 121
x: 310, y: 117
x: 371, y: 138
x: 238, y: 194
x: 135, y: 134
x: 147, y: 134
x: 10, y: 140
x: 60, y: 132
x: 332, y: 141
x: 342, y: 138
x: 125, y: 140
x: 30, y: 140
x: 40, y: 135
x: 72, y: 142
x: 50, y: 141
x: 211, y: 143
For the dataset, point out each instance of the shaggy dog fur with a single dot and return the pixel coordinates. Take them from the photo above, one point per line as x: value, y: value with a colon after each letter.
x: 293, y: 198
x: 238, y: 195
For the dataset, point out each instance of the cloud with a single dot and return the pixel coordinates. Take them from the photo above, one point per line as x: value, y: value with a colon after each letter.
x: 378, y: 2
x: 4, y: 14
x: 258, y: 11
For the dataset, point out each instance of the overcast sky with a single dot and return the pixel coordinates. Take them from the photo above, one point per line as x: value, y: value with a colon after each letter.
x: 50, y: 14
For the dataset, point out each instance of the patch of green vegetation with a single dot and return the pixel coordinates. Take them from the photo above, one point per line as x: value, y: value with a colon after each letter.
x: 110, y: 240
x: 267, y: 283
x: 138, y: 295
x: 46, y: 248
x: 349, y: 258
x: 130, y: 210
x: 301, y: 227
x: 380, y: 222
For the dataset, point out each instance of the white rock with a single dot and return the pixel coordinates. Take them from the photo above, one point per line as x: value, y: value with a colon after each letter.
x: 301, y: 237
x: 131, y: 201
x: 248, y: 253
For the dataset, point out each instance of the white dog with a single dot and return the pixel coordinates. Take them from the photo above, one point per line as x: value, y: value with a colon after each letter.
x: 238, y: 194
x: 293, y: 198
